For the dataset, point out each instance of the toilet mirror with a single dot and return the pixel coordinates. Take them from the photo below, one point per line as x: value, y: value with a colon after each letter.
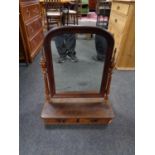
x: 78, y: 62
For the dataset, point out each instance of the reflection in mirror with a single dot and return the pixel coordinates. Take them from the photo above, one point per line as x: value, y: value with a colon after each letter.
x: 78, y: 62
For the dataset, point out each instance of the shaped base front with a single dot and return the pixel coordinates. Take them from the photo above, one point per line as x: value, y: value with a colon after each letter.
x: 97, y: 113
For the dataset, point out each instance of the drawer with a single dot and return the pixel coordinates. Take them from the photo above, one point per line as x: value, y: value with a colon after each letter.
x: 62, y: 121
x: 33, y: 27
x: 117, y: 22
x: 35, y: 42
x: 117, y: 37
x: 77, y: 121
x: 92, y: 120
x: 120, y: 8
x: 111, y: 28
x: 30, y: 11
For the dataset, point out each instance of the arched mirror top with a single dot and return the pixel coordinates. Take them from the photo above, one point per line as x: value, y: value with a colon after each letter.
x: 78, y: 29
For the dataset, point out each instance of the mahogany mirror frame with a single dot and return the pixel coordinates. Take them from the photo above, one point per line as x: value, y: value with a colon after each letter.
x: 76, y: 96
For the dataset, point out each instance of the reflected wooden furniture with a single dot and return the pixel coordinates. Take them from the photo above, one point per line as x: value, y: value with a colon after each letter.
x: 103, y: 12
x: 122, y: 25
x: 70, y: 18
x: 53, y: 13
x: 73, y: 11
x: 30, y: 30
x: 77, y: 107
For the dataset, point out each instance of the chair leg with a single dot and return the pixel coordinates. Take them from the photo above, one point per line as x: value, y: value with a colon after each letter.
x: 47, y: 24
x: 74, y: 20
x: 67, y: 18
x: 77, y: 20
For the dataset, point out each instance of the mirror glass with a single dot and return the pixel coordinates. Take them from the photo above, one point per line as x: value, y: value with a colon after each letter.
x: 78, y: 61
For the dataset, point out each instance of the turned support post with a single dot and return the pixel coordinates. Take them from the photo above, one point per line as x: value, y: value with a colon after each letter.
x: 44, y: 72
x: 110, y: 76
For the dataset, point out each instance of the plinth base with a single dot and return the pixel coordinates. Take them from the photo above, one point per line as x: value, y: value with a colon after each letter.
x: 97, y: 113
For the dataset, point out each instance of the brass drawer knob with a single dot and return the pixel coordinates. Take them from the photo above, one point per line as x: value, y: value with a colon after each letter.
x: 118, y: 7
x: 94, y: 120
x: 116, y: 20
x: 77, y: 120
x: 61, y: 120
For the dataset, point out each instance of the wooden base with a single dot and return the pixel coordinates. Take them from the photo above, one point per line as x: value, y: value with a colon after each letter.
x: 97, y: 113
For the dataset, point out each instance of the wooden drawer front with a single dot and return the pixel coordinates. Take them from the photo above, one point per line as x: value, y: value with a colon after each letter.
x: 62, y: 121
x: 117, y: 38
x: 33, y: 27
x: 30, y: 11
x: 112, y: 29
x: 116, y: 35
x: 92, y: 121
x: 120, y: 7
x: 77, y: 121
x: 35, y: 42
x: 117, y: 22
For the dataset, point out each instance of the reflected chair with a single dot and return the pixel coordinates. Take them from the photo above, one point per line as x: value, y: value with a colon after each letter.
x: 53, y: 13
x: 103, y: 12
x: 73, y: 12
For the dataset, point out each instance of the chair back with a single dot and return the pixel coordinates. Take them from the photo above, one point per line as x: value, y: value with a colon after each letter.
x: 75, y: 10
x: 103, y: 7
x: 53, y: 5
x: 53, y: 13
